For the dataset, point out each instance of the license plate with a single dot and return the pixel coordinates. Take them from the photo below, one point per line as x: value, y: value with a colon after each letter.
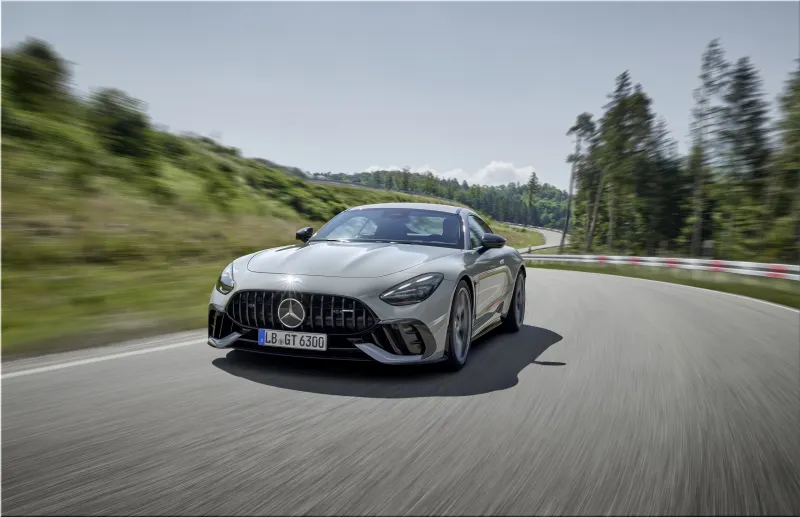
x: 297, y: 340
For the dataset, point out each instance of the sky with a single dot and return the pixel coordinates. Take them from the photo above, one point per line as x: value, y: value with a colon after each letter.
x: 481, y: 91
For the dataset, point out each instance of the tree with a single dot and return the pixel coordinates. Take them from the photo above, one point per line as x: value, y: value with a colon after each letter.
x: 533, y: 187
x: 121, y: 123
x: 35, y: 76
x: 613, y: 137
x: 705, y: 128
x: 788, y: 167
x: 584, y: 129
x: 745, y: 166
x: 746, y: 130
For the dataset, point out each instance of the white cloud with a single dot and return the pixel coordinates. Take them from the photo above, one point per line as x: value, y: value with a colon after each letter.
x: 495, y: 173
x: 375, y: 168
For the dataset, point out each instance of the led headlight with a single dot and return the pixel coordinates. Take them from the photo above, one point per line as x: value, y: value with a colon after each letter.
x: 413, y: 291
x: 225, y: 281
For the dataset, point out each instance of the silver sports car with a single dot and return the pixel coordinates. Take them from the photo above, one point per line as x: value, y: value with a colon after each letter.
x: 397, y: 283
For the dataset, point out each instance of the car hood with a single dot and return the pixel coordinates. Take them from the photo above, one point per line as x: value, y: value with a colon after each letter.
x: 345, y: 259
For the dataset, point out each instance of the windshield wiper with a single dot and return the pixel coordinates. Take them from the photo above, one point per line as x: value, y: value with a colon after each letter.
x: 386, y: 241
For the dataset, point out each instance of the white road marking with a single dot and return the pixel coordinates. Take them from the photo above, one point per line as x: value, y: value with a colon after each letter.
x: 97, y: 359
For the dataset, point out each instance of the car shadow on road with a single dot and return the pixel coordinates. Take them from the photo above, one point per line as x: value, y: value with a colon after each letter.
x: 494, y: 364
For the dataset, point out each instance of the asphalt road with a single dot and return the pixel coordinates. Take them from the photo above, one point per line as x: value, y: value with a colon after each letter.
x: 551, y: 238
x: 620, y: 396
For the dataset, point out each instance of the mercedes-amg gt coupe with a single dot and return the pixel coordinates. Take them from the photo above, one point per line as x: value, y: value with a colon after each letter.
x: 397, y: 283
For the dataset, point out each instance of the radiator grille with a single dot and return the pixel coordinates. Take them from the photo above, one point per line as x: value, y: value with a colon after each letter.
x: 324, y: 313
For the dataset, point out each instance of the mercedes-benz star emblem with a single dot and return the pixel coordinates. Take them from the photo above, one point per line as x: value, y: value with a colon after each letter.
x: 291, y: 313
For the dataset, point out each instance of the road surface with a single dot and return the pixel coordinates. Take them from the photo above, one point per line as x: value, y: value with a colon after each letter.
x: 551, y: 239
x: 619, y: 396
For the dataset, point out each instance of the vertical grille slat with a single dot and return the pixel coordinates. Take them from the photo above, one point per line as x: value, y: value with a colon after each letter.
x: 304, y: 298
x: 271, y: 310
x: 325, y: 313
x: 247, y: 308
x: 239, y: 309
x: 255, y: 309
x: 311, y: 312
x: 243, y: 306
x: 263, y: 308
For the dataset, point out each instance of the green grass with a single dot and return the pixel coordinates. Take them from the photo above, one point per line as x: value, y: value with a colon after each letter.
x: 782, y: 292
x: 518, y: 237
x: 70, y: 307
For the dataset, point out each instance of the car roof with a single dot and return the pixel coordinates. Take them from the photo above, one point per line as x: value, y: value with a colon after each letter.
x: 414, y: 206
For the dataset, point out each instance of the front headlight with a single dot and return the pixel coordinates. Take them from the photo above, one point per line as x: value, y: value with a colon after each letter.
x: 413, y: 291
x: 225, y: 281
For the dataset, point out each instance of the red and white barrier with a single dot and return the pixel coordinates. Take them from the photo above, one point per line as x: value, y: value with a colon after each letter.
x: 783, y: 271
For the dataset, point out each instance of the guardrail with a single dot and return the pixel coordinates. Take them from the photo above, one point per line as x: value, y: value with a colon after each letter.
x: 783, y: 271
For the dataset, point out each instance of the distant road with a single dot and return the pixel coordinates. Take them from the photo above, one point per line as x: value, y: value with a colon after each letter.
x: 618, y: 397
x: 551, y: 239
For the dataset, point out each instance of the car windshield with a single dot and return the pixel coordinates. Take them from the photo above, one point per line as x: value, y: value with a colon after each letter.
x: 401, y: 225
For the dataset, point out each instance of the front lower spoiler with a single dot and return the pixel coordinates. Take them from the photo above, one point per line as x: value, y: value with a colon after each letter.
x: 382, y: 356
x: 224, y: 342
x: 373, y: 351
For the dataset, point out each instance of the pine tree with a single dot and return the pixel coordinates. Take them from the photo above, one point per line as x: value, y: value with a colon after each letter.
x: 584, y: 129
x: 705, y: 128
x: 533, y: 187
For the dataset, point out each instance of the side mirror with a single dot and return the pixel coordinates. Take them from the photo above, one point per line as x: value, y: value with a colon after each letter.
x: 492, y: 240
x: 304, y: 234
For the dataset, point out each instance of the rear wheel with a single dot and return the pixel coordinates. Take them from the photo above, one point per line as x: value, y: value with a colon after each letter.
x: 459, y: 334
x: 516, y: 313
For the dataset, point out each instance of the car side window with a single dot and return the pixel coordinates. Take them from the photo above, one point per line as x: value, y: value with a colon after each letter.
x: 476, y: 232
x: 483, y: 225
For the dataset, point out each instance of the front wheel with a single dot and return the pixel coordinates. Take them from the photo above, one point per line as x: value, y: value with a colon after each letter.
x: 516, y: 313
x: 459, y: 333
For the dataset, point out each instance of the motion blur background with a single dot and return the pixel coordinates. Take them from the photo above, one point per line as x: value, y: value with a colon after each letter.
x: 117, y: 218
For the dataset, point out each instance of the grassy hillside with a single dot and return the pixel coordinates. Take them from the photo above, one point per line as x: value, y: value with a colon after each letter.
x: 114, y: 229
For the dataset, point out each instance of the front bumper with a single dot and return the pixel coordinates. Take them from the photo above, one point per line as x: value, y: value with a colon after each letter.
x: 414, y: 336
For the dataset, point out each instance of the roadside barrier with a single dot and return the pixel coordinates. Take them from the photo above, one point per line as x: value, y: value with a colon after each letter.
x: 783, y: 271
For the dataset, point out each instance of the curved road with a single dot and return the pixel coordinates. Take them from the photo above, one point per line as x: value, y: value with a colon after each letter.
x: 551, y: 239
x: 620, y: 396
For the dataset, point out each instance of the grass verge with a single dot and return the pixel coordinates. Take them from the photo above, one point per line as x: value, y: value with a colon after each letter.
x: 782, y: 292
x: 519, y: 237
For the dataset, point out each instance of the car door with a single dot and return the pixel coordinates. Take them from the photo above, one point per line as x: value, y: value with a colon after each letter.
x: 488, y: 271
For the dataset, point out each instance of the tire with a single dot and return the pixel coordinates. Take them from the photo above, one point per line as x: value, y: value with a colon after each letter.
x: 513, y: 321
x: 459, y: 330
